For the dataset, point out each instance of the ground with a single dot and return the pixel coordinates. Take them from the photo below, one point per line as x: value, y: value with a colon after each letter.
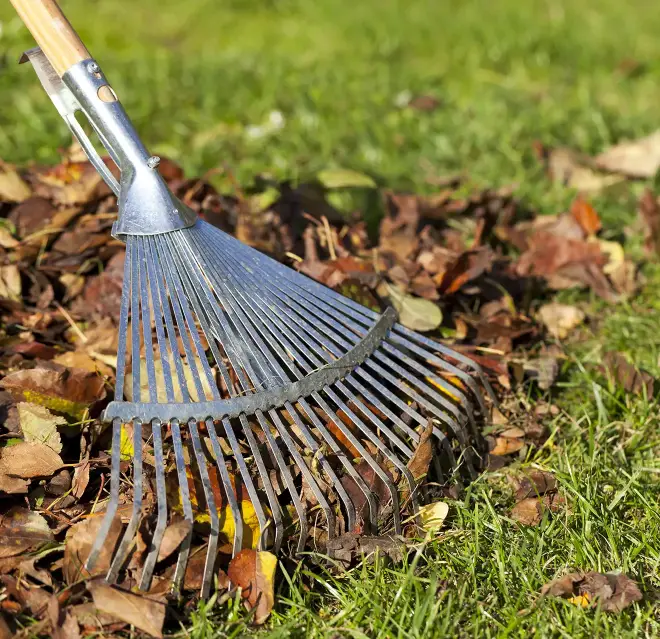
x: 197, y: 77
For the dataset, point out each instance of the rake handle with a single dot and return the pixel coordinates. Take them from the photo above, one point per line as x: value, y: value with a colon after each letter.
x: 53, y: 33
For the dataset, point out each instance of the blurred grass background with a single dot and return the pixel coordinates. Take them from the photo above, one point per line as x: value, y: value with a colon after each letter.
x: 290, y: 87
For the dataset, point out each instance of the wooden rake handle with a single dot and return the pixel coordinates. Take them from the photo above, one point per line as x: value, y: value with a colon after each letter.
x: 53, y: 33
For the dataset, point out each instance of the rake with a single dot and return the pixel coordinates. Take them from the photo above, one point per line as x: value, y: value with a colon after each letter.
x: 293, y: 397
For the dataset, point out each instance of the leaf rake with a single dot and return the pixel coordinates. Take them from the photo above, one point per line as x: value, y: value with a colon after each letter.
x: 261, y: 384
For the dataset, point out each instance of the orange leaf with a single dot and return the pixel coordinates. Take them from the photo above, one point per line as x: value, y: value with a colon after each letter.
x: 254, y: 572
x: 585, y: 215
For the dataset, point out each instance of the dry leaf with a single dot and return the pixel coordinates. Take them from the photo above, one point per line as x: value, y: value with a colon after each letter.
x: 12, y: 187
x: 71, y: 391
x: 254, y: 572
x: 136, y: 609
x: 528, y: 512
x: 634, y: 158
x: 560, y: 319
x: 612, y: 591
x: 350, y: 547
x: 506, y: 446
x: 574, y: 170
x: 10, y: 282
x: 173, y: 537
x: 22, y: 530
x: 420, y: 461
x: 649, y: 212
x: 24, y: 461
x: 632, y: 379
x: 79, y: 540
x: 432, y: 516
x: 585, y: 215
x: 38, y: 424
x: 535, y: 483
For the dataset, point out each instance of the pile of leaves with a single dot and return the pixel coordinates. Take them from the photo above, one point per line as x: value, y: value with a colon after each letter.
x: 469, y: 266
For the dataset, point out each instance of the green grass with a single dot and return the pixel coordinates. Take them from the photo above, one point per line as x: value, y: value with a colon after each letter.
x: 197, y: 75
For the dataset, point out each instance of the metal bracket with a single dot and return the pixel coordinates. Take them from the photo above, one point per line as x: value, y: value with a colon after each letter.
x: 67, y: 105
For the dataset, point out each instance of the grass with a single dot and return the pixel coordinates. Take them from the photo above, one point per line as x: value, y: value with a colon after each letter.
x: 197, y: 77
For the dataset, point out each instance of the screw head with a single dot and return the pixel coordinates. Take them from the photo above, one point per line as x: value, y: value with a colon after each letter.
x: 153, y: 161
x: 92, y: 67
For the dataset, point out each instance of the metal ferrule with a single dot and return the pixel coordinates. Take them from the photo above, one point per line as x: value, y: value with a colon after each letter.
x: 146, y: 205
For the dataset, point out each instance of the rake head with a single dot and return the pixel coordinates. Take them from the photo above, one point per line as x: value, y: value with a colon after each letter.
x: 254, y: 384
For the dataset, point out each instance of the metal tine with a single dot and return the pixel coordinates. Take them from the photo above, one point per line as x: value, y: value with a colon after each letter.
x: 113, y: 503
x: 193, y: 290
x: 212, y: 550
x: 180, y: 307
x: 182, y: 302
x: 311, y: 443
x: 308, y: 475
x: 161, y: 495
x: 184, y: 552
x: 137, y: 282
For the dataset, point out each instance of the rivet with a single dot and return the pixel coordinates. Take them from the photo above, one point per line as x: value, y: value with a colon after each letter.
x: 92, y: 67
x: 153, y: 161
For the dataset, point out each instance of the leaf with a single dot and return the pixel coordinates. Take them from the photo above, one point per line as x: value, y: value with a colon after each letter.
x: 254, y: 572
x: 21, y: 530
x: 23, y: 461
x: 433, y: 515
x: 344, y: 178
x: 649, y: 212
x: 415, y: 313
x: 612, y: 591
x: 12, y: 187
x: 71, y: 391
x: 138, y: 610
x: 506, y: 446
x: 576, y: 171
x: 633, y: 158
x: 421, y: 460
x: 38, y: 424
x: 630, y: 378
x: 10, y: 282
x: 173, y: 537
x: 78, y: 543
x: 560, y: 319
x: 528, y: 512
x: 349, y: 547
x: 585, y: 215
x: 535, y: 483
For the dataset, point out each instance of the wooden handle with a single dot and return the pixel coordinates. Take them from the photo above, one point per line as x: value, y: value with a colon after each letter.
x: 53, y: 33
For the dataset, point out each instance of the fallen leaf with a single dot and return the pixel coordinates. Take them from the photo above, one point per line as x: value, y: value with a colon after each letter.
x: 612, y: 591
x: 136, y: 609
x: 12, y: 187
x: 585, y: 215
x: 421, y: 459
x: 649, y: 212
x: 173, y: 537
x: 10, y: 282
x: 633, y: 158
x: 74, y: 285
x: 22, y: 530
x: 71, y: 391
x: 576, y: 171
x: 506, y: 446
x: 82, y: 361
x: 254, y: 572
x: 528, y: 512
x: 78, y: 543
x: 560, y: 319
x: 415, y: 313
x: 433, y: 515
x: 349, y: 547
x: 38, y: 424
x: 23, y: 461
x: 535, y: 483
x: 632, y: 379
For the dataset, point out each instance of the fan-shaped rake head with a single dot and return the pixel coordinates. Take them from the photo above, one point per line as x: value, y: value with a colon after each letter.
x: 255, y: 384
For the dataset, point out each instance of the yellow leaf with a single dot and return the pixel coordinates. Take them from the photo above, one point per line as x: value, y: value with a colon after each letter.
x: 580, y: 600
x: 432, y: 516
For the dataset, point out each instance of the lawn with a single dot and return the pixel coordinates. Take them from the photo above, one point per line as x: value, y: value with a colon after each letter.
x: 289, y: 87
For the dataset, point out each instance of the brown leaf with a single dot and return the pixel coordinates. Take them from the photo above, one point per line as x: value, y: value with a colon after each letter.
x: 23, y: 461
x: 10, y: 282
x: 576, y: 171
x: 420, y: 461
x: 21, y: 530
x: 633, y: 158
x: 67, y: 183
x: 173, y: 537
x: 12, y: 186
x: 102, y: 294
x: 71, y: 391
x: 649, y: 212
x: 254, y: 572
x: 138, y: 610
x: 32, y: 215
x: 613, y: 591
x: 79, y: 540
x: 350, y: 547
x: 535, y: 483
x: 632, y: 379
x: 506, y: 446
x: 585, y: 215
x: 528, y: 512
